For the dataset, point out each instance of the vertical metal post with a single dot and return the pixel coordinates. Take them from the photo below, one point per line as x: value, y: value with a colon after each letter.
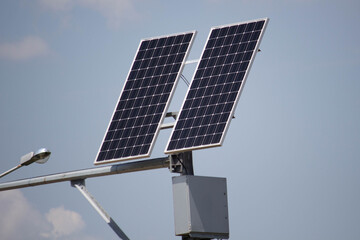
x: 182, y: 163
x: 80, y: 185
x: 188, y: 169
x: 190, y: 238
x: 187, y: 161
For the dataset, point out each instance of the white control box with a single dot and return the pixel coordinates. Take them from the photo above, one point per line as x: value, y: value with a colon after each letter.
x: 200, y: 207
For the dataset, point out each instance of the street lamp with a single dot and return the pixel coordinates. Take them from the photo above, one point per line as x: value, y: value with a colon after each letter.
x: 40, y: 156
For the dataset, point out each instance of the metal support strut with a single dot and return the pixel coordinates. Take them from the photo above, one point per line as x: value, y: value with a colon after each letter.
x: 80, y: 185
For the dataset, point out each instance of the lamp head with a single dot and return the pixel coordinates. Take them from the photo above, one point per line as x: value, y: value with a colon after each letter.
x: 40, y: 156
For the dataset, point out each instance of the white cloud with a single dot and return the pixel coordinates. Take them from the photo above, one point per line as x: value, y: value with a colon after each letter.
x: 64, y: 222
x: 114, y: 11
x: 56, y: 4
x: 27, y: 48
x: 20, y: 220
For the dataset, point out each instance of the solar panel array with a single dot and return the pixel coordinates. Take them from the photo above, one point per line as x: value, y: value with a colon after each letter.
x: 145, y: 97
x: 216, y: 86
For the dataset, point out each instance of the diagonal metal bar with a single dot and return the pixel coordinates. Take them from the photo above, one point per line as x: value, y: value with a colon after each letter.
x: 10, y: 170
x: 80, y: 185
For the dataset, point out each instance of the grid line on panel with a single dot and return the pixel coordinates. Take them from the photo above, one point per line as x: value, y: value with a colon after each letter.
x: 145, y: 96
x: 216, y: 86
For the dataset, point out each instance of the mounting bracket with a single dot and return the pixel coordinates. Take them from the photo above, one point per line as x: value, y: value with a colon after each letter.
x: 182, y: 163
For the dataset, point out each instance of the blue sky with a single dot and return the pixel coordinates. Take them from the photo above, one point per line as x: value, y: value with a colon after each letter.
x: 291, y: 156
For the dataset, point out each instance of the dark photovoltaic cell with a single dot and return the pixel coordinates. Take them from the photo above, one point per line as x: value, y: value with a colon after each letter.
x: 145, y: 97
x: 216, y: 86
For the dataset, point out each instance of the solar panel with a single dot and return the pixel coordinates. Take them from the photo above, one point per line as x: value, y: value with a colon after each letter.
x: 216, y: 86
x: 145, y: 98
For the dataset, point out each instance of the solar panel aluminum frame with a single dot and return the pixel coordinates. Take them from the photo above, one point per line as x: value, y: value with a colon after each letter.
x: 175, y: 151
x: 166, y: 106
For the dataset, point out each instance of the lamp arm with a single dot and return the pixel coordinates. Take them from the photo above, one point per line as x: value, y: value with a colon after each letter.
x: 10, y: 170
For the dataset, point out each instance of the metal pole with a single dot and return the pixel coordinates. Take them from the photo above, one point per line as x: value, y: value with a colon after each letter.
x: 182, y: 163
x: 187, y: 162
x: 88, y: 173
x: 10, y: 170
x: 80, y: 185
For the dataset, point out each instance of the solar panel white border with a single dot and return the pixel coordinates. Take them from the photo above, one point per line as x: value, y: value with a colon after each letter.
x: 166, y: 107
x: 237, y: 97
